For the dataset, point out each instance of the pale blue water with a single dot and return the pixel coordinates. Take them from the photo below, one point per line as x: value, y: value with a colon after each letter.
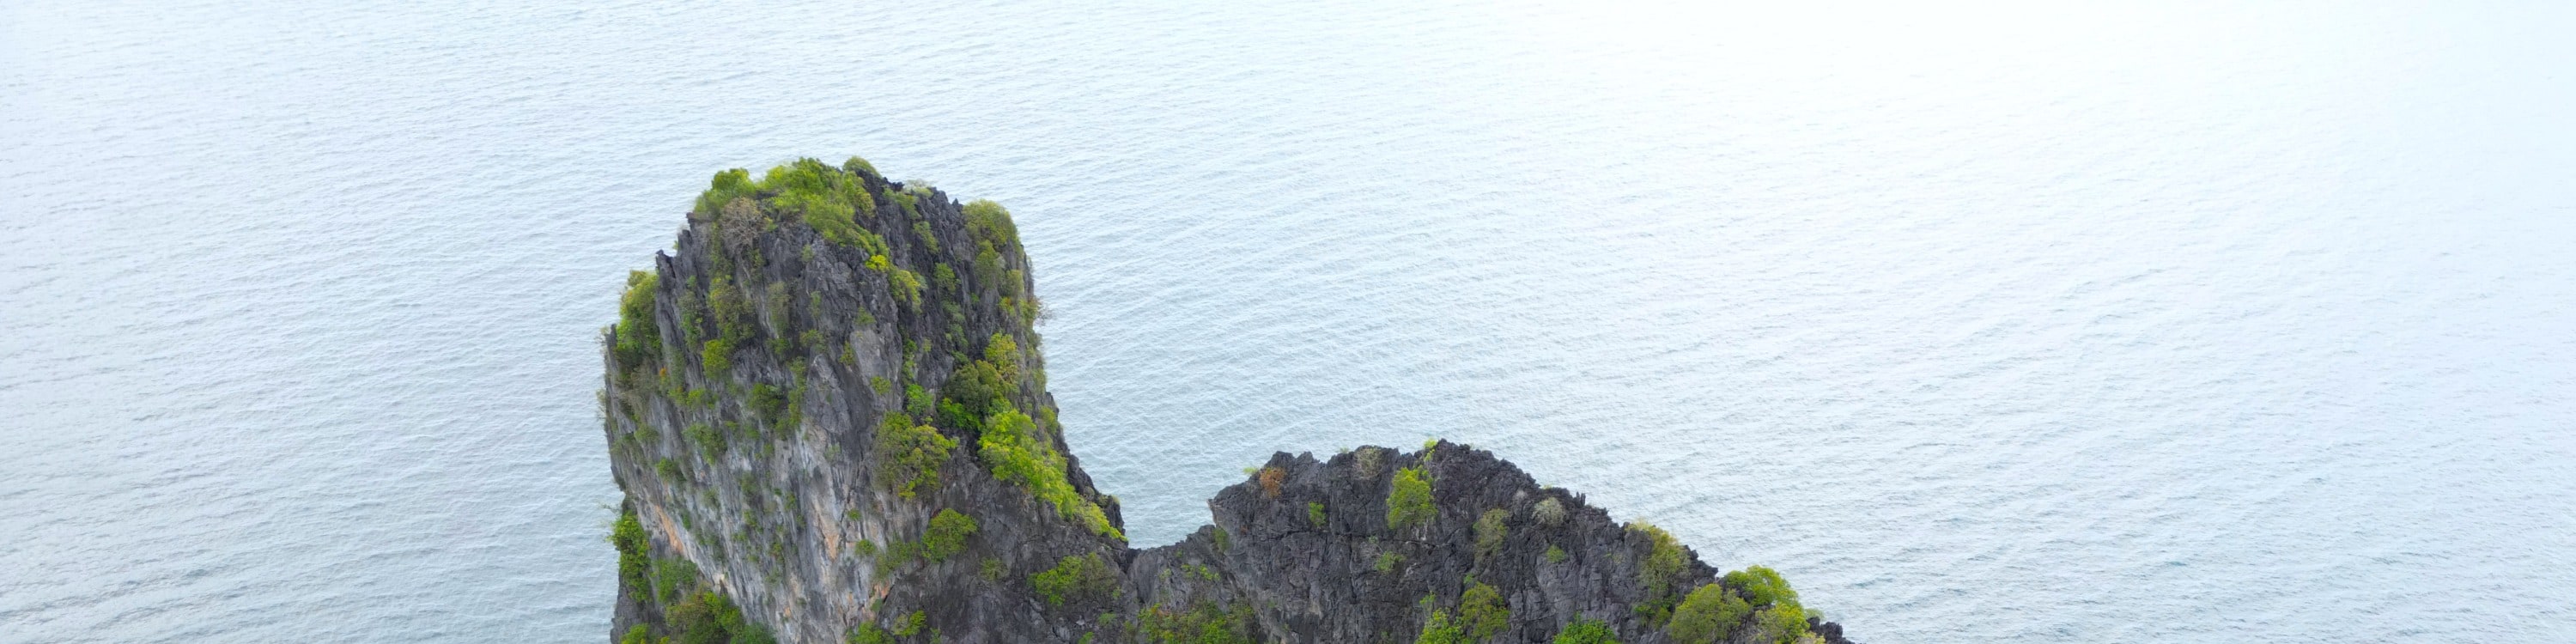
x: 2026, y: 324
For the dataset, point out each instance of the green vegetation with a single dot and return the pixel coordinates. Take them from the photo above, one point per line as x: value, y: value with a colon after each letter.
x: 634, y: 552
x: 909, y: 454
x: 907, y: 287
x: 1659, y: 569
x: 946, y: 535
x: 1409, y: 503
x: 857, y: 165
x: 768, y: 402
x: 717, y: 356
x: 1204, y: 623
x: 1223, y: 541
x: 1490, y: 532
x: 989, y: 222
x: 1708, y: 615
x: 1075, y: 579
x: 1440, y: 630
x: 1550, y: 512
x: 1555, y: 554
x: 929, y: 239
x: 1315, y: 513
x: 727, y: 186
x: 1713, y: 612
x: 906, y: 626
x: 709, y: 618
x: 1585, y: 631
x: 1482, y: 613
x: 825, y: 196
x: 638, y: 339
x: 1762, y: 586
x: 1386, y: 562
x: 1019, y: 452
x: 672, y: 577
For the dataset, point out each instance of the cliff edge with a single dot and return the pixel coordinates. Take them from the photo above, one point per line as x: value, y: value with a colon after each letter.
x: 827, y: 408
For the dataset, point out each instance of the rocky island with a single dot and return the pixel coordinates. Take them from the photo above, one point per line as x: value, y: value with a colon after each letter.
x: 827, y: 408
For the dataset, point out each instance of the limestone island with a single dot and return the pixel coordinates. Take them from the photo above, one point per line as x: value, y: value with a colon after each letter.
x: 827, y: 409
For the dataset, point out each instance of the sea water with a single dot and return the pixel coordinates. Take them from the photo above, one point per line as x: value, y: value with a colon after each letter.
x: 2021, y: 323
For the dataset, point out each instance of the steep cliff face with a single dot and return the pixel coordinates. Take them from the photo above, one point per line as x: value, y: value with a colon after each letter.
x: 827, y: 408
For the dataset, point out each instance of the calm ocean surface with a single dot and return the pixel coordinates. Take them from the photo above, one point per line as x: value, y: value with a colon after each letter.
x: 2015, y: 323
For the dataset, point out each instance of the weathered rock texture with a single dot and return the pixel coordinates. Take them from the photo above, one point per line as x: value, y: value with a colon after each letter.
x: 766, y: 474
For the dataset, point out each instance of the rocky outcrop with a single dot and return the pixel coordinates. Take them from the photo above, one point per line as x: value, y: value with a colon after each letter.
x: 827, y: 407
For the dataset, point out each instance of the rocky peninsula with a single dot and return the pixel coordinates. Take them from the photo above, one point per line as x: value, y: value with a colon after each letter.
x: 827, y: 408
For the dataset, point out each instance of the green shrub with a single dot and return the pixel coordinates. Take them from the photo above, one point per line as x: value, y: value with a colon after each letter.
x: 672, y: 577
x: 1660, y: 568
x: 1386, y: 562
x: 1408, y: 504
x: 634, y: 552
x: 1481, y: 612
x: 769, y: 402
x: 638, y: 339
x: 1440, y: 630
x: 1315, y: 513
x: 1204, y: 623
x: 1762, y: 586
x: 988, y: 267
x: 1555, y: 554
x: 732, y: 310
x: 1550, y: 512
x: 910, y: 454
x: 709, y: 442
x: 907, y: 287
x: 709, y: 618
x: 1585, y: 631
x: 944, y: 280
x: 827, y: 197
x: 727, y: 185
x: 989, y: 222
x: 856, y: 165
x: 1780, y: 624
x: 946, y: 535
x: 716, y: 356
x: 929, y: 238
x: 1074, y: 579
x: 1021, y: 453
x: 1490, y: 532
x: 1707, y: 615
x: 640, y: 634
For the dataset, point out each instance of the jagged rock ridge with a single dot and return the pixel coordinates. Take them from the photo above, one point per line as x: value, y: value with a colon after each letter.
x: 827, y: 408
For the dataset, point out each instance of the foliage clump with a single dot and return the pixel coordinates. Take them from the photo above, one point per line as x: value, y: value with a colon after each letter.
x: 1550, y: 512
x: 1482, y: 613
x: 1660, y: 568
x: 1586, y: 631
x: 946, y: 535
x: 638, y: 338
x: 709, y: 618
x: 634, y: 552
x: 1408, y: 503
x: 910, y: 454
x: 1074, y: 579
x: 1490, y: 532
x: 1716, y: 612
x: 1315, y: 513
x: 1442, y: 630
x: 1204, y: 623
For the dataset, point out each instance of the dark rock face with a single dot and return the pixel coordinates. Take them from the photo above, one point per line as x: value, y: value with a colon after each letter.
x: 759, y: 474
